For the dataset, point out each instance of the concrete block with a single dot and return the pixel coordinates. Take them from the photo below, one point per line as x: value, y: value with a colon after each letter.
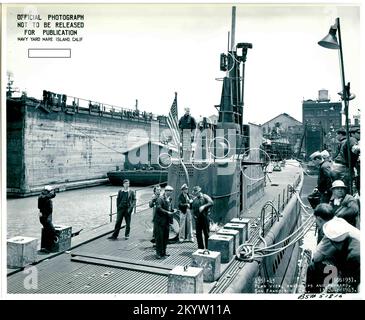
x: 64, y: 234
x: 234, y: 233
x: 210, y: 261
x: 21, y: 251
x: 245, y: 221
x: 241, y: 228
x: 185, y: 280
x: 222, y: 244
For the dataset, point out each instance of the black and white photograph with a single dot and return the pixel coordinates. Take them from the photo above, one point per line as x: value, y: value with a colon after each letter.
x: 181, y: 151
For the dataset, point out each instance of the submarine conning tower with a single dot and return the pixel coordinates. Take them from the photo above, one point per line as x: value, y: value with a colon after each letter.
x: 231, y: 105
x: 220, y: 175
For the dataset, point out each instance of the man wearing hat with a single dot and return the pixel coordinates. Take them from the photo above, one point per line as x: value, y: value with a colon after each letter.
x: 184, y: 204
x: 343, y: 242
x: 162, y: 222
x: 340, y: 167
x: 326, y: 155
x: 126, y: 201
x: 355, y: 133
x: 344, y: 205
x: 152, y: 204
x: 200, y: 207
x: 324, y: 180
x: 45, y: 207
x: 340, y: 247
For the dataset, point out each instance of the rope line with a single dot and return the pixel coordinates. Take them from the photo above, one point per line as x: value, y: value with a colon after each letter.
x: 250, y: 252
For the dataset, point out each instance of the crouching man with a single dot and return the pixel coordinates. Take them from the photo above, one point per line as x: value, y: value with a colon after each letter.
x: 45, y: 207
x: 337, y: 255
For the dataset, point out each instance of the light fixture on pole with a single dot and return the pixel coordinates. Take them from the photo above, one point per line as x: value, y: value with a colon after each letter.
x: 330, y: 42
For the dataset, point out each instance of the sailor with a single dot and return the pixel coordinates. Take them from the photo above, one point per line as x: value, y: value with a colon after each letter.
x: 184, y: 204
x: 326, y: 155
x: 200, y: 207
x: 324, y: 181
x: 338, y: 251
x: 355, y: 133
x: 126, y: 201
x: 315, y: 271
x: 45, y: 207
x: 187, y: 121
x: 162, y: 222
x: 187, y: 126
x: 340, y: 166
x: 344, y: 205
x: 152, y: 204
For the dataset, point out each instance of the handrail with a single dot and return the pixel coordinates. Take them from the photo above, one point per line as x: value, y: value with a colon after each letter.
x: 111, y: 213
x: 73, y: 105
x: 262, y: 215
x: 289, y: 191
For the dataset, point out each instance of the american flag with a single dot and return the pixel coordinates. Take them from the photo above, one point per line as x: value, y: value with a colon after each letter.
x: 172, y: 121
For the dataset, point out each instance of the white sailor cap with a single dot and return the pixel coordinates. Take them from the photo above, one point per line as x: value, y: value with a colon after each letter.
x: 325, y: 154
x: 336, y: 229
x: 315, y: 155
x: 184, y: 186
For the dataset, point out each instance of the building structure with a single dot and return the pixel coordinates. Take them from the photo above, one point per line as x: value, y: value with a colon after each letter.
x: 321, y: 119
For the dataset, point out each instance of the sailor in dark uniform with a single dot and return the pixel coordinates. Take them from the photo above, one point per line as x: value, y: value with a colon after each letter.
x: 355, y: 134
x: 187, y: 121
x: 200, y: 208
x: 324, y: 181
x: 340, y: 167
x: 152, y: 204
x: 187, y: 126
x: 162, y: 222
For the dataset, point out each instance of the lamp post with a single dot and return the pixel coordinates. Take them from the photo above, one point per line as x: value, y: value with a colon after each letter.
x: 330, y: 42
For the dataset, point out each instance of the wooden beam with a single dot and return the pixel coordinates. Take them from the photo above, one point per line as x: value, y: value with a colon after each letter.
x: 120, y: 265
x: 124, y: 260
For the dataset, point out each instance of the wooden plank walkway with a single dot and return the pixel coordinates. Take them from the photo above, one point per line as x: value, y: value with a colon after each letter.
x: 59, y: 274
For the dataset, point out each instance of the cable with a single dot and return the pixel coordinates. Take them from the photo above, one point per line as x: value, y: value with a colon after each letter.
x: 302, y: 226
x: 95, y: 139
x: 310, y: 216
x: 286, y: 246
x: 307, y: 224
x: 249, y: 249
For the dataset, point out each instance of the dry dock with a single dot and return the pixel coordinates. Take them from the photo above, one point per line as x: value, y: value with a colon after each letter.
x: 96, y: 265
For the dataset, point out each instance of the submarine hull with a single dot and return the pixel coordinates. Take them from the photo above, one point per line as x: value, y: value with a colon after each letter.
x: 224, y: 182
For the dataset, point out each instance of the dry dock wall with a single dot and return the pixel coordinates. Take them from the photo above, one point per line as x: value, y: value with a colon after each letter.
x: 64, y: 148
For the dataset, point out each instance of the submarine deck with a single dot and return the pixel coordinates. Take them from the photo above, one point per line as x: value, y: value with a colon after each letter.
x: 99, y: 266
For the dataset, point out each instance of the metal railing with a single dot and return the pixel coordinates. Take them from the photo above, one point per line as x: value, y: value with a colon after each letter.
x: 112, y: 213
x: 71, y: 105
x: 263, y: 220
x: 282, y: 201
